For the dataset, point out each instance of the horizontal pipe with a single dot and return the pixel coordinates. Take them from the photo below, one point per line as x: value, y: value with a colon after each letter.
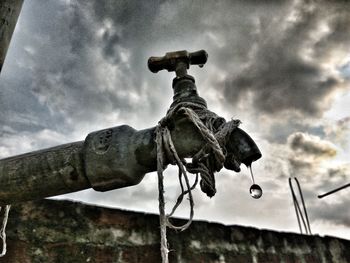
x: 43, y: 173
x: 81, y: 165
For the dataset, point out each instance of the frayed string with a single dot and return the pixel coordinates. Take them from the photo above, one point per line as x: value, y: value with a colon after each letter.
x: 3, y: 229
x: 165, y: 147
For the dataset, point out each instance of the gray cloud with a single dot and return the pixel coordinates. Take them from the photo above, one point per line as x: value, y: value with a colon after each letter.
x: 310, y: 145
x: 339, y: 131
x: 330, y: 209
x: 308, y: 154
x: 286, y: 67
x: 334, y: 213
x: 339, y: 172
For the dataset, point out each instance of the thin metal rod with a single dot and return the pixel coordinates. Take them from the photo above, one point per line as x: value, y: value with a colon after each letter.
x: 297, y: 208
x: 333, y: 191
x: 304, y: 206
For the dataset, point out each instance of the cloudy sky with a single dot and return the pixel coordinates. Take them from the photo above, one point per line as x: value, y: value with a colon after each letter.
x: 282, y: 67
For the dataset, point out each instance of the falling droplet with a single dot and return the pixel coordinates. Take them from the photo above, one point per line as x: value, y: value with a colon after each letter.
x: 255, y: 191
x: 251, y: 173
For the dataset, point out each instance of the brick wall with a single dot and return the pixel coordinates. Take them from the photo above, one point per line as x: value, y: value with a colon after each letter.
x: 67, y: 232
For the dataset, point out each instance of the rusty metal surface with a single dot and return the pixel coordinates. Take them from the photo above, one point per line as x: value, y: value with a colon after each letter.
x: 101, y: 162
x: 44, y: 173
x: 127, y: 155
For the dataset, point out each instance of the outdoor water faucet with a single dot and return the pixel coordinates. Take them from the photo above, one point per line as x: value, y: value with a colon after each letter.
x: 119, y: 156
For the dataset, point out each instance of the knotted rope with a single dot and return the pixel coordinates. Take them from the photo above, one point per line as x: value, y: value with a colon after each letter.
x: 3, y: 229
x: 208, y: 160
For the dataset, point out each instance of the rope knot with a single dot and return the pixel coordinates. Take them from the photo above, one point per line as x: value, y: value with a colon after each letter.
x: 208, y: 160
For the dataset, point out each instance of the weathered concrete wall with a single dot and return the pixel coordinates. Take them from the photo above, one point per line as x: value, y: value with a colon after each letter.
x: 66, y: 232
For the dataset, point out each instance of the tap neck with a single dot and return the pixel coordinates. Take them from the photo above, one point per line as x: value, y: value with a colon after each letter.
x: 185, y: 90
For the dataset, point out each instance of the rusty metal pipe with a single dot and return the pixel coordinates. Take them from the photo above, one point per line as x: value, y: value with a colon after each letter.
x: 108, y: 159
x: 42, y: 173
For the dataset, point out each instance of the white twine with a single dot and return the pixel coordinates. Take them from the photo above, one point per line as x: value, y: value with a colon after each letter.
x: 162, y: 219
x: 165, y: 147
x: 3, y: 229
x: 163, y: 138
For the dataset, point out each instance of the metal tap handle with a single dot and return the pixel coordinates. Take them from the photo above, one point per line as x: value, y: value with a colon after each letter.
x: 171, y: 59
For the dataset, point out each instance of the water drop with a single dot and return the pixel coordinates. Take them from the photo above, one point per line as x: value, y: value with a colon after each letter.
x: 255, y: 191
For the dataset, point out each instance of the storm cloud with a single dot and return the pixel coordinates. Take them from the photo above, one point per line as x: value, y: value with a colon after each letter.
x: 310, y: 145
x: 294, y: 60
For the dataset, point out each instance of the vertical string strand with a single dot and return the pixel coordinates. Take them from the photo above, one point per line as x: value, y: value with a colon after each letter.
x: 3, y: 230
x: 162, y: 218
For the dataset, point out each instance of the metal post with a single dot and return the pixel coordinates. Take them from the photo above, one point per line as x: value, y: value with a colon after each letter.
x: 9, y: 12
x: 333, y: 191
